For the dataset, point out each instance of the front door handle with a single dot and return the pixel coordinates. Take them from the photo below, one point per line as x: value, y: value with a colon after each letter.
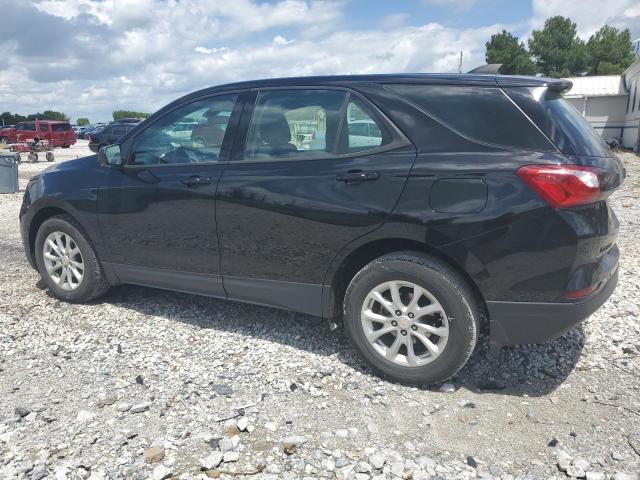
x: 357, y: 176
x: 196, y: 180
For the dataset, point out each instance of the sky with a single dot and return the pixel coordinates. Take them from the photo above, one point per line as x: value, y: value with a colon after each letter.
x: 90, y: 57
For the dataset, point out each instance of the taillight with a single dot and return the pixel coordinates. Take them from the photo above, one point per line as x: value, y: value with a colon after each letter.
x: 562, y: 186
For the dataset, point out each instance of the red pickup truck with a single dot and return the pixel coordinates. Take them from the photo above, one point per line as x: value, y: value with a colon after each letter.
x: 59, y: 134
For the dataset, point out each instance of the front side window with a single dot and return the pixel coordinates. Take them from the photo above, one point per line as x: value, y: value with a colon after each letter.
x: 203, y: 127
x: 295, y: 123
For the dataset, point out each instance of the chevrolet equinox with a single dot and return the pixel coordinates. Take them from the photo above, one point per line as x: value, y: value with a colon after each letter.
x: 408, y: 208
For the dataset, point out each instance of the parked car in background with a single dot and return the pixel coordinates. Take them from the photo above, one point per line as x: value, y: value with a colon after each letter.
x: 108, y: 135
x: 128, y: 120
x: 182, y: 130
x: 5, y: 133
x: 58, y: 133
x: 475, y: 198
x: 80, y: 131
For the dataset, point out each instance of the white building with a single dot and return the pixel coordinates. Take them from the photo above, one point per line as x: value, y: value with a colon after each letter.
x: 611, y: 103
x: 602, y: 100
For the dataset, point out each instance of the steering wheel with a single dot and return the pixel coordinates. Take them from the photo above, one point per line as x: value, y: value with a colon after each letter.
x: 179, y: 154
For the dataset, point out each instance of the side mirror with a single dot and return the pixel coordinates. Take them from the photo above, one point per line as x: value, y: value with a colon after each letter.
x: 110, y: 156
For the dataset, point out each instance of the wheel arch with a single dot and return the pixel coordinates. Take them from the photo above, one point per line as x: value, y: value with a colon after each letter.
x: 367, y: 252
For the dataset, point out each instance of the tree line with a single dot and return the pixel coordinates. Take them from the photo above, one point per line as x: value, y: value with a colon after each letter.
x: 557, y: 51
x: 8, y: 118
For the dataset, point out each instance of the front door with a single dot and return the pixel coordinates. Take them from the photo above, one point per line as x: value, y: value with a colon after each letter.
x: 306, y: 184
x: 157, y: 213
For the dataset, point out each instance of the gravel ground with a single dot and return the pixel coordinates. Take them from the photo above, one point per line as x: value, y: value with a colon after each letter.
x: 153, y: 384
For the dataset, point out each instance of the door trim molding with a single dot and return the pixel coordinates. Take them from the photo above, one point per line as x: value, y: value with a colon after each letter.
x: 186, y: 282
x: 293, y: 296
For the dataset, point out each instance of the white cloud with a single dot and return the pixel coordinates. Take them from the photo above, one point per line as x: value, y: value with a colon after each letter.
x: 90, y: 57
x: 590, y: 15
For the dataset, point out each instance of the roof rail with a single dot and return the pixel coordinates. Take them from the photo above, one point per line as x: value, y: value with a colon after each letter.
x: 490, y: 68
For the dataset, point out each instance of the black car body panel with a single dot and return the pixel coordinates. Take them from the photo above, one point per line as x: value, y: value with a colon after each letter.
x: 288, y: 233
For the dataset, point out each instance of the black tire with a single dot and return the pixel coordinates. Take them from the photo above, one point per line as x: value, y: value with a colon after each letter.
x: 94, y: 283
x: 33, y: 157
x: 452, y: 292
x: 49, y: 156
x: 4, y: 140
x: 66, y: 146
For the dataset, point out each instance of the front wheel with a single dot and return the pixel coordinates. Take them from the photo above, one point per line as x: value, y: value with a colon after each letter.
x: 412, y: 318
x: 67, y: 261
x: 50, y: 156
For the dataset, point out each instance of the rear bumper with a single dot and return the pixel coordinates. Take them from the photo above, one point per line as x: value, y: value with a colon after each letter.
x: 515, y: 323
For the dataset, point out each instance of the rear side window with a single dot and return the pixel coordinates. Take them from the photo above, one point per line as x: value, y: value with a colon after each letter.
x: 482, y: 114
x: 44, y: 127
x: 61, y: 127
x: 312, y: 123
x: 562, y: 123
x: 295, y: 123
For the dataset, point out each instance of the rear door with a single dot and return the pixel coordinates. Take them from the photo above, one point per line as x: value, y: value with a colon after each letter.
x: 43, y: 131
x: 157, y: 213
x: 62, y: 134
x: 299, y: 188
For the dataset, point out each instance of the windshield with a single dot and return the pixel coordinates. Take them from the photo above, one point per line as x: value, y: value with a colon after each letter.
x: 560, y: 121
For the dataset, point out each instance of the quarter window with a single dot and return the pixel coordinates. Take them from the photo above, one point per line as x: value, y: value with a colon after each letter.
x: 295, y: 123
x: 363, y: 131
x: 61, y: 127
x: 483, y: 114
x: 203, y: 125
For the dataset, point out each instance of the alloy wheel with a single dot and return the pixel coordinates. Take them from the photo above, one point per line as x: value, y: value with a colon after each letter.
x: 405, y: 323
x: 63, y: 260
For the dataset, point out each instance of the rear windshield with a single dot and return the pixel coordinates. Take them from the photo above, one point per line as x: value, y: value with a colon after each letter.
x: 482, y: 114
x: 562, y: 123
x: 61, y: 127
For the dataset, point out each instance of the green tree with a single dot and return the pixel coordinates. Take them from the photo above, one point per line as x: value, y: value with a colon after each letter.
x: 82, y: 121
x: 505, y: 48
x: 12, y: 118
x: 558, y: 50
x: 120, y: 114
x: 610, y: 50
x: 48, y: 115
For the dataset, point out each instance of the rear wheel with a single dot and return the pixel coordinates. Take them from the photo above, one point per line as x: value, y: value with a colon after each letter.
x: 67, y: 261
x: 33, y: 157
x: 66, y: 146
x: 50, y: 156
x: 412, y: 317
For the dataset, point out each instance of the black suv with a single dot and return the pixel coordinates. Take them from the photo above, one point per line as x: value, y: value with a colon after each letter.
x: 109, y: 134
x: 409, y: 208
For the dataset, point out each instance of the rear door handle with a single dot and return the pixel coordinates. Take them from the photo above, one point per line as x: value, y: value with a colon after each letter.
x: 357, y: 176
x: 196, y: 180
